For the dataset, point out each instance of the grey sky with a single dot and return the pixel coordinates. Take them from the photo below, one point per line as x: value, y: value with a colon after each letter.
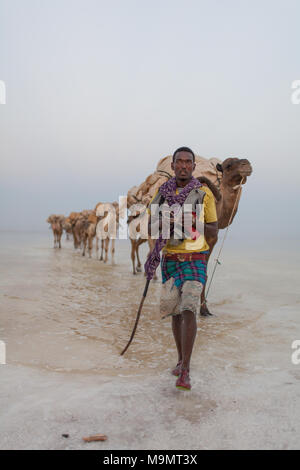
x: 98, y: 92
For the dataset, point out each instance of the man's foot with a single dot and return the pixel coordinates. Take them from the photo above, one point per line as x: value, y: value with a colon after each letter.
x: 183, y: 381
x: 177, y: 369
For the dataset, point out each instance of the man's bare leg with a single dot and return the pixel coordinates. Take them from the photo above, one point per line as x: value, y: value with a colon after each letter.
x: 177, y: 333
x: 184, y: 327
x: 189, y: 331
x: 188, y: 328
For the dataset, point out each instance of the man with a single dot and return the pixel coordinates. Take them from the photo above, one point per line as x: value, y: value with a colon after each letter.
x: 184, y: 260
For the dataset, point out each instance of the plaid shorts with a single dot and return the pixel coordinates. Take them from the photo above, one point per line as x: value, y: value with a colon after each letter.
x: 175, y: 300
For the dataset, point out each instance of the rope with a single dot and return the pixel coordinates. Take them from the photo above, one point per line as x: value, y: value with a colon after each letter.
x: 222, y: 244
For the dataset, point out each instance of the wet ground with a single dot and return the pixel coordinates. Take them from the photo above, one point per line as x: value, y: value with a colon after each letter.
x: 65, y: 319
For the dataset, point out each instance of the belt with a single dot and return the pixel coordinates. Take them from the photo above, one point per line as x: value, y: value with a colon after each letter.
x: 184, y: 256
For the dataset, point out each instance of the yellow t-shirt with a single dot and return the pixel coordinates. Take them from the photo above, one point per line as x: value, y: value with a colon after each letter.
x: 208, y: 215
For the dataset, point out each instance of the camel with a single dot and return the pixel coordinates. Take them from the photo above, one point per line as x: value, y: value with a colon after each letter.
x: 234, y: 171
x: 222, y: 178
x: 108, y: 217
x: 56, y: 222
x: 89, y: 232
x: 77, y: 221
x: 80, y: 226
x: 73, y: 218
x: 67, y: 227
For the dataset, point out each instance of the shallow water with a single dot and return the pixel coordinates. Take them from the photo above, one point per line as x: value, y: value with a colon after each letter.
x: 63, y: 312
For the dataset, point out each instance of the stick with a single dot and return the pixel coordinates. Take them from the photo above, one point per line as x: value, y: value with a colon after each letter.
x: 96, y: 437
x: 137, y: 317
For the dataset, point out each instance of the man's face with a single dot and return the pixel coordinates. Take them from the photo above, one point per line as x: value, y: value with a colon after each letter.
x: 183, y: 166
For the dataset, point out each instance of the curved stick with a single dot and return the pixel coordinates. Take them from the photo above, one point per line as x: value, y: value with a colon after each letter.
x: 137, y: 317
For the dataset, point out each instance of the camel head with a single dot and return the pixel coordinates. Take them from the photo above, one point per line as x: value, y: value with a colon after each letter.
x: 233, y: 170
x: 55, y: 222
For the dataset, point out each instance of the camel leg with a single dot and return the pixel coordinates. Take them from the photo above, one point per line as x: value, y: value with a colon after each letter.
x: 74, y: 241
x: 139, y: 242
x: 133, y: 251
x: 106, y: 249
x: 97, y: 247
x: 59, y: 238
x: 90, y: 242
x: 84, y: 244
x: 113, y: 251
x: 102, y: 247
x: 139, y: 265
x: 203, y: 308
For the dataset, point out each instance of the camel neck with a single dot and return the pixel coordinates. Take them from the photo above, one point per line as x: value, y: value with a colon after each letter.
x: 230, y: 199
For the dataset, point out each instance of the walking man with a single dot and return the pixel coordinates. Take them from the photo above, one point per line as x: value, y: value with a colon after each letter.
x: 183, y: 262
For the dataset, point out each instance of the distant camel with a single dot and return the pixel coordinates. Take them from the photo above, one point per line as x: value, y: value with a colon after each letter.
x: 73, y: 217
x: 56, y: 222
x: 89, y: 232
x: 67, y: 227
x: 108, y: 217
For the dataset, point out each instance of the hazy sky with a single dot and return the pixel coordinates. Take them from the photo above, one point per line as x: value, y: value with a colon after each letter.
x: 98, y: 91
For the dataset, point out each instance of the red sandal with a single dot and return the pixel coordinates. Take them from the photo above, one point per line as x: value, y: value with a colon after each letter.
x: 183, y: 381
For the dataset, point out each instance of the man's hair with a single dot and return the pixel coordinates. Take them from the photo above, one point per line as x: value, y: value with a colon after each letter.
x: 183, y: 149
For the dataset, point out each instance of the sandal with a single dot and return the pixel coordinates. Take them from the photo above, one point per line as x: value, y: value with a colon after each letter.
x: 183, y: 381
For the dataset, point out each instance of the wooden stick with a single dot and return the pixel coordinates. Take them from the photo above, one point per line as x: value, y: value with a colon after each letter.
x: 137, y: 317
x: 96, y: 437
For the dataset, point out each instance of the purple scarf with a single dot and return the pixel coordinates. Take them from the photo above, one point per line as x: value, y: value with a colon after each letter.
x: 168, y: 190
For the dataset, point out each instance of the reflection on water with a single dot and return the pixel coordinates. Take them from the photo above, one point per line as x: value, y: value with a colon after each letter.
x: 63, y: 312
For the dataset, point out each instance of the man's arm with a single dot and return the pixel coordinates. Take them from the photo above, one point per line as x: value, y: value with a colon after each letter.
x: 210, y: 219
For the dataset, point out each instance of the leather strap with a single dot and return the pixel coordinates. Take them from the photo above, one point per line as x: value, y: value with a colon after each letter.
x: 181, y: 257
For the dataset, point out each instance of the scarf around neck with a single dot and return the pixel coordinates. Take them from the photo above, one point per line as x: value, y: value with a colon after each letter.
x: 168, y: 191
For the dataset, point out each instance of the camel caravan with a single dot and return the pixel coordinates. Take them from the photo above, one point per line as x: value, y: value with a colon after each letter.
x: 82, y: 226
x: 224, y: 180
